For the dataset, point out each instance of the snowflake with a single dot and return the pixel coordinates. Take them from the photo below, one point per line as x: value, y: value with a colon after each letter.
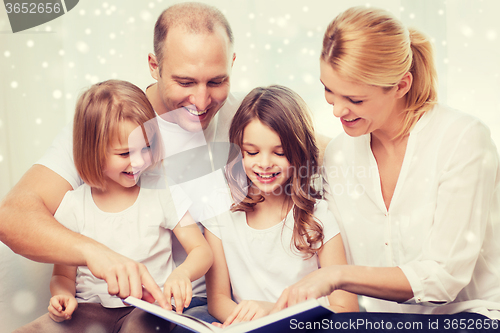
x: 467, y: 31
x: 82, y: 47
x: 491, y: 35
x: 57, y: 94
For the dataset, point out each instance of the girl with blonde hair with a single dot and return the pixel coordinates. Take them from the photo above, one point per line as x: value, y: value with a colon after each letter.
x: 413, y: 184
x: 116, y: 142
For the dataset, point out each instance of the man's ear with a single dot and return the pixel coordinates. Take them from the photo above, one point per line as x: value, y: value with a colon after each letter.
x: 154, y: 69
x: 404, y: 85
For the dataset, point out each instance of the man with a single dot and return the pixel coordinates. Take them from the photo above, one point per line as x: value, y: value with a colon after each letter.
x: 192, y: 65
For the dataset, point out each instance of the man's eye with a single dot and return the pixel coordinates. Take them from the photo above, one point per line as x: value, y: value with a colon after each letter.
x: 185, y: 84
x: 215, y: 83
x: 355, y: 102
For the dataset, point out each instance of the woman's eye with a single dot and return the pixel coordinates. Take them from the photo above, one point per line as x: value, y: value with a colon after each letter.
x: 355, y: 102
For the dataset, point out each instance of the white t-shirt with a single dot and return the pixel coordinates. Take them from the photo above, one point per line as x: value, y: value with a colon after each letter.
x: 442, y: 227
x: 262, y: 263
x: 59, y: 158
x: 141, y: 232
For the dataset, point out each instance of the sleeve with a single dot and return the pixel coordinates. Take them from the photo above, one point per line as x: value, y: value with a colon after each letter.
x: 465, y: 191
x: 67, y: 212
x: 175, y: 205
x: 212, y: 225
x: 214, y: 220
x: 326, y: 218
x: 59, y: 157
x: 217, y: 211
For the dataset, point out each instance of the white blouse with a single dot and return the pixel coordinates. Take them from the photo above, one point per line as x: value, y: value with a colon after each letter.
x: 442, y: 227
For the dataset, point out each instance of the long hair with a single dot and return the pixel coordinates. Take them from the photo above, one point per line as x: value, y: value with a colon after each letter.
x: 99, y: 111
x: 370, y: 46
x: 286, y: 113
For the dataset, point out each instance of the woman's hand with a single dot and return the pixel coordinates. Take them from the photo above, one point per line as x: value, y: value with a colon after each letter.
x: 247, y: 311
x: 178, y: 286
x: 314, y: 285
x: 61, y: 307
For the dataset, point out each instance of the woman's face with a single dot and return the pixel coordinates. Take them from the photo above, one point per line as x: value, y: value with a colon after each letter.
x: 362, y: 109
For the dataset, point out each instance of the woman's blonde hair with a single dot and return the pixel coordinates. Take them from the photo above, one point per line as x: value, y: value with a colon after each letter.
x: 370, y: 46
x: 286, y: 113
x: 99, y: 111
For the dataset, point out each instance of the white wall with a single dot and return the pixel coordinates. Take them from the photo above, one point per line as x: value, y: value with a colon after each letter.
x: 277, y: 41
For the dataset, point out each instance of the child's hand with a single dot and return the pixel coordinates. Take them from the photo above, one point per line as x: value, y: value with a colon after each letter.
x: 61, y: 307
x: 179, y: 287
x: 247, y: 311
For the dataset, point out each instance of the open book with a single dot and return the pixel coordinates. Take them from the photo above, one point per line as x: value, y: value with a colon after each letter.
x: 281, y: 321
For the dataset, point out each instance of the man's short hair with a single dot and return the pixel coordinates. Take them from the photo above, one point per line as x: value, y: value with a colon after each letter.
x: 194, y: 17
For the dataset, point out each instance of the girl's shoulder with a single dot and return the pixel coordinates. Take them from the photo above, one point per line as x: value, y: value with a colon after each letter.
x: 322, y: 212
x: 75, y: 198
x: 321, y: 207
x: 72, y: 208
x: 217, y: 212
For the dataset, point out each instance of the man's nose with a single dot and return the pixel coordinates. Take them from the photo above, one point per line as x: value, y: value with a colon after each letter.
x: 201, y: 98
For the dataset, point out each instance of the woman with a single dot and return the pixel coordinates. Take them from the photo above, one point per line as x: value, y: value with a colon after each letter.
x: 413, y: 185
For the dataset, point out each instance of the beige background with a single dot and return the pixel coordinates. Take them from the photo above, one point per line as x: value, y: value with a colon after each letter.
x: 44, y: 69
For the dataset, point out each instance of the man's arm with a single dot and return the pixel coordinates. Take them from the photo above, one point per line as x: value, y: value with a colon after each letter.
x: 27, y: 224
x: 28, y: 227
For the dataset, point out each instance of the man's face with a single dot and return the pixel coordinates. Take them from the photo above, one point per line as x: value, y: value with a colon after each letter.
x: 194, y: 76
